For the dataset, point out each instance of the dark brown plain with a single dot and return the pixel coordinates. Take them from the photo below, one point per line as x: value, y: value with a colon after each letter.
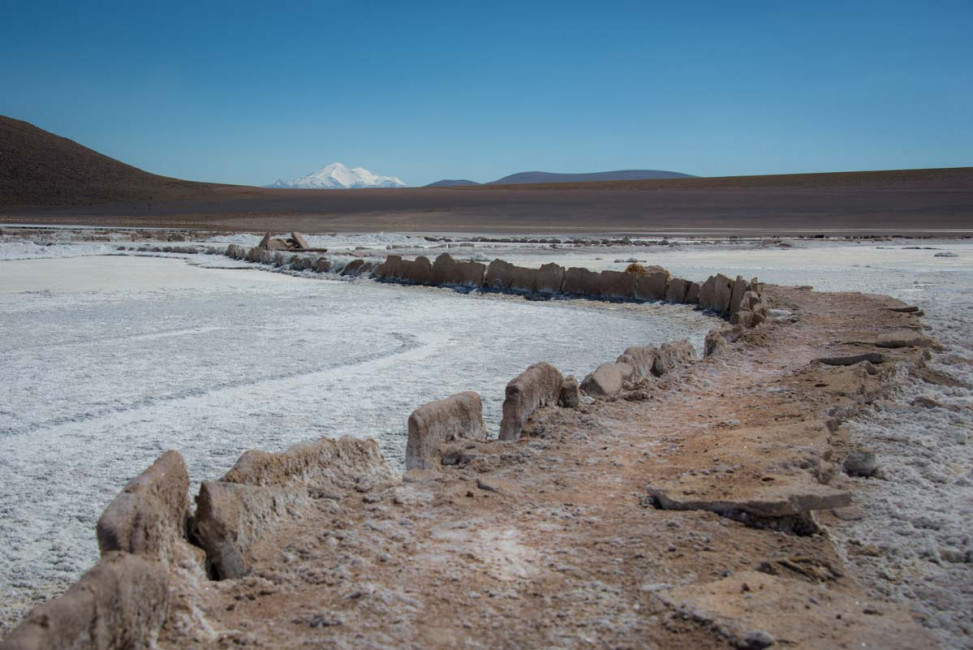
x: 46, y: 179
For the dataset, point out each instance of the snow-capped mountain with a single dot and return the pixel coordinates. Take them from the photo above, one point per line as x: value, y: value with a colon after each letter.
x: 338, y: 177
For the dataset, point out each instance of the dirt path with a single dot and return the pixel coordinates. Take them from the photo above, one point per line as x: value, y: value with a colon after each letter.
x: 555, y: 540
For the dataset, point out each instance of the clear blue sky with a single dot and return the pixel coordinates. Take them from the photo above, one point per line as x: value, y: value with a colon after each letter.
x: 247, y: 92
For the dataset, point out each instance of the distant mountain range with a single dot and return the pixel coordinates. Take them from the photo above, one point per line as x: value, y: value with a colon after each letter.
x: 339, y: 177
x: 447, y: 182
x: 524, y: 178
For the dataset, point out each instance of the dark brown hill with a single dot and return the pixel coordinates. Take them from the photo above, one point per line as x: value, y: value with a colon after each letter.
x: 48, y: 179
x: 535, y: 178
x: 40, y: 168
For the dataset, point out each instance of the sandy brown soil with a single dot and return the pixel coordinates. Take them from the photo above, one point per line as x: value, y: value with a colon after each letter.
x: 554, y: 541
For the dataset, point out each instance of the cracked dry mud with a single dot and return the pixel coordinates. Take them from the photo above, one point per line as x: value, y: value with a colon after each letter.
x: 558, y: 540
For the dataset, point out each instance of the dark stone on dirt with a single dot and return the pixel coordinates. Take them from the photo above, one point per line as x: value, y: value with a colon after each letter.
x: 861, y: 463
x: 870, y: 357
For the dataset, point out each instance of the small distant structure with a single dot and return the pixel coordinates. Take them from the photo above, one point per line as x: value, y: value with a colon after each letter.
x: 295, y: 243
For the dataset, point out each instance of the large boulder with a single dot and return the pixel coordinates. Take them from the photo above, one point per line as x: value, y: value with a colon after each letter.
x: 740, y: 287
x: 523, y: 280
x: 149, y: 515
x: 302, y: 263
x: 608, y: 379
x: 324, y: 462
x: 391, y: 269
x: 715, y: 344
x: 431, y: 425
x: 505, y: 276
x: 746, y: 318
x: 447, y: 271
x: 299, y: 241
x: 653, y: 284
x: 673, y: 355
x: 395, y: 268
x: 240, y: 510
x: 230, y: 518
x: 749, y: 299
x: 550, y: 279
x: 121, y: 603
x: 498, y: 275
x: 418, y: 271
x: 692, y: 294
x: 677, y: 290
x: 641, y: 358
x: 353, y: 268
x: 537, y: 387
x: 716, y: 293
x: 582, y: 282
x: 570, y: 393
x: 617, y: 284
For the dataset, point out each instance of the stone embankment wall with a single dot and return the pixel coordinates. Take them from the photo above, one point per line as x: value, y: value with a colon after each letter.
x: 234, y: 513
x: 149, y: 532
x: 736, y: 298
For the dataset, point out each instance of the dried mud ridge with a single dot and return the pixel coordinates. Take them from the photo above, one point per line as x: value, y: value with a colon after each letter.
x: 688, y: 504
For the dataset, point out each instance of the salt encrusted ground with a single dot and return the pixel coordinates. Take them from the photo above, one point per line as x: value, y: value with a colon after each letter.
x: 107, y: 361
x: 552, y: 541
x: 913, y: 527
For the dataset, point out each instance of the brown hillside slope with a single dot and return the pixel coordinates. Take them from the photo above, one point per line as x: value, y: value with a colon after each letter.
x: 48, y: 179
x: 40, y: 168
x: 949, y: 178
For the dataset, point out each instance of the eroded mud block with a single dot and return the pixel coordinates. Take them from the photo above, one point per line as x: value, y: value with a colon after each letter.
x: 149, y: 515
x: 120, y: 603
x: 538, y: 386
x: 457, y: 417
x: 243, y: 508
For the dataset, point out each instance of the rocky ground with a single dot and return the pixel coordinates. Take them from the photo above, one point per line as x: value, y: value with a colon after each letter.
x: 559, y: 539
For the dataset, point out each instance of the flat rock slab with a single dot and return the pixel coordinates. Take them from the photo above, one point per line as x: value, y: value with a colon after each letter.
x: 904, y: 339
x: 782, y: 496
x: 756, y: 610
x: 852, y: 359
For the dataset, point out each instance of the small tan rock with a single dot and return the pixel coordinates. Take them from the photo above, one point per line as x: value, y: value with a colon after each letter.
x: 608, y: 379
x: 641, y: 358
